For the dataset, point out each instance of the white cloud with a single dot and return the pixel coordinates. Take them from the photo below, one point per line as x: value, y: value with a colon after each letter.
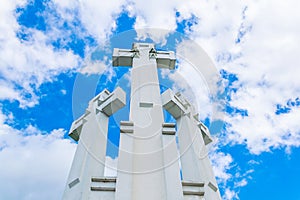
x: 230, y: 176
x: 196, y: 78
x: 64, y: 6
x: 7, y: 91
x: 8, y: 22
x: 158, y: 19
x: 4, y: 128
x: 230, y: 194
x: 63, y: 91
x: 32, y: 162
x: 241, y: 183
x: 27, y: 64
x: 155, y: 19
x: 221, y: 163
x: 99, y: 17
x: 101, y: 67
x: 194, y: 87
x: 216, y: 23
x: 267, y: 76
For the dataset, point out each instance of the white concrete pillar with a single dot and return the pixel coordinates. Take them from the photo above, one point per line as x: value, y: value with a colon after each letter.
x: 91, y: 132
x: 198, y: 179
x: 171, y: 163
x: 145, y: 174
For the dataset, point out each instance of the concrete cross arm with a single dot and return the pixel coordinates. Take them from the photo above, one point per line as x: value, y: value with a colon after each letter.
x: 76, y: 127
x: 112, y: 103
x: 173, y: 104
x: 205, y: 133
x: 123, y: 57
x: 105, y: 102
x: 165, y: 59
x: 177, y: 106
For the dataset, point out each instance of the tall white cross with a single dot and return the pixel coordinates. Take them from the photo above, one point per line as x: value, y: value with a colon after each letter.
x: 144, y: 172
x: 148, y: 161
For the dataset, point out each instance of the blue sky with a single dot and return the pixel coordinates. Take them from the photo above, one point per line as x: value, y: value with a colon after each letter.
x: 56, y: 55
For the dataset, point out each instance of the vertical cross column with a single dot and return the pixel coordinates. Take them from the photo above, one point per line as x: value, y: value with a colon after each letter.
x: 141, y: 166
x: 197, y: 174
x: 90, y: 130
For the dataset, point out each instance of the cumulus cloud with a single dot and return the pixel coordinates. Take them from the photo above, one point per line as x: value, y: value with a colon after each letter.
x: 99, y: 17
x: 213, y: 24
x: 267, y: 77
x: 155, y: 20
x: 32, y: 162
x: 26, y: 64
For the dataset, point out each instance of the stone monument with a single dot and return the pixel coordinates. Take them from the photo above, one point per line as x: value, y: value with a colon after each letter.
x: 152, y: 163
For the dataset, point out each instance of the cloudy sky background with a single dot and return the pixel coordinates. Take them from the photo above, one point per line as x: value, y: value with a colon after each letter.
x: 46, y: 45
